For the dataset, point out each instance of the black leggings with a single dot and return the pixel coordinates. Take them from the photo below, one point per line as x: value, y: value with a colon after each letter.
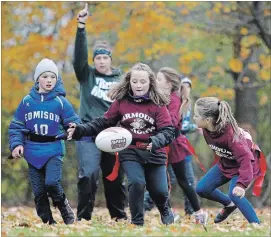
x: 179, y: 170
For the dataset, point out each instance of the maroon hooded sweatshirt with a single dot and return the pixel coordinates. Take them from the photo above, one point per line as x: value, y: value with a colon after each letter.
x: 236, y: 157
x: 178, y: 149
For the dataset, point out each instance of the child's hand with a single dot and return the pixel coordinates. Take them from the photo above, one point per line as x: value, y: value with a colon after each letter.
x: 149, y: 146
x: 83, y: 14
x: 18, y: 152
x: 238, y: 191
x: 71, y: 130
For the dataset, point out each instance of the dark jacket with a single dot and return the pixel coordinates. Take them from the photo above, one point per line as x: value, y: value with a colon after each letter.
x: 93, y: 85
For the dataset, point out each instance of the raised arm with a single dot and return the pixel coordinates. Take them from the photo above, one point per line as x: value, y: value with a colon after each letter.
x: 80, y: 58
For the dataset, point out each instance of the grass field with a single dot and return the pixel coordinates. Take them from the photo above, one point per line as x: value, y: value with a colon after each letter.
x: 23, y: 221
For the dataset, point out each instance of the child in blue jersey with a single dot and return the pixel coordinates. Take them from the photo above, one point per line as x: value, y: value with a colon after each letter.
x: 34, y: 132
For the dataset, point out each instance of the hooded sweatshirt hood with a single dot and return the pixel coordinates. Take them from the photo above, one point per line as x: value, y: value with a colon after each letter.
x: 58, y: 90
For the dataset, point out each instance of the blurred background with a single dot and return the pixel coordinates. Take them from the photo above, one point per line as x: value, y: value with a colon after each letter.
x: 223, y: 47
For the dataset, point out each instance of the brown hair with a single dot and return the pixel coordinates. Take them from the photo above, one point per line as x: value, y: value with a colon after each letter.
x: 219, y: 112
x: 122, y: 88
x: 174, y: 78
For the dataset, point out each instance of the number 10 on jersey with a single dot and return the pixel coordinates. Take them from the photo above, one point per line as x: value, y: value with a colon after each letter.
x: 41, y: 129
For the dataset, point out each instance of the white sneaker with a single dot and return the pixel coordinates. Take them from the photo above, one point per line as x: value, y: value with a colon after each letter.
x: 176, y: 217
x: 201, y: 218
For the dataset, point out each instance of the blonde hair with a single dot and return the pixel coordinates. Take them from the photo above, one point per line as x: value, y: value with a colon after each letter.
x: 122, y: 88
x: 219, y: 112
x: 174, y: 78
x: 186, y: 100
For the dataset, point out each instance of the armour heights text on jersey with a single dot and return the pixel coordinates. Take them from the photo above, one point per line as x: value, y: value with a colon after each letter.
x: 235, y: 157
x: 147, y: 123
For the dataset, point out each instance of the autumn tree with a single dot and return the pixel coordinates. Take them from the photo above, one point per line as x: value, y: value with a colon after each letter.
x: 196, y: 38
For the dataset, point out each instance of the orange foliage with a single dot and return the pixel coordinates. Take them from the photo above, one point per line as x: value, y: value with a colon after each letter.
x: 236, y: 65
x: 219, y: 92
x: 254, y: 66
x: 245, y: 79
x: 243, y: 31
x: 263, y: 100
x: 244, y: 52
x: 139, y: 31
x: 265, y: 74
x: 217, y: 69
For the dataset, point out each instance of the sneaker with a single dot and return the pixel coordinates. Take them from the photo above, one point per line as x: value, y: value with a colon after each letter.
x: 167, y: 216
x: 176, y: 217
x: 52, y: 221
x: 201, y: 218
x: 66, y: 212
x: 224, y: 213
x: 43, y: 209
x: 120, y: 219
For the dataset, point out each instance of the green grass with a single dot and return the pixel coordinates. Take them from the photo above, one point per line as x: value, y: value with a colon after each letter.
x: 22, y: 221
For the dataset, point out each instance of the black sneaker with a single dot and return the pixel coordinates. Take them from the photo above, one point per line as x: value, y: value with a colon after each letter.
x: 167, y: 216
x: 43, y: 209
x: 120, y: 219
x: 66, y: 212
x: 224, y: 213
x: 52, y: 221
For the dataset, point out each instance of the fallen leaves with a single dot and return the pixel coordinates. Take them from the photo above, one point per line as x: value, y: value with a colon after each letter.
x: 23, y: 221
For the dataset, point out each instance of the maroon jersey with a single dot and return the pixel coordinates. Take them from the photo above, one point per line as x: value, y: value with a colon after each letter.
x: 141, y: 119
x: 236, y: 157
x: 145, y: 120
x: 178, y: 148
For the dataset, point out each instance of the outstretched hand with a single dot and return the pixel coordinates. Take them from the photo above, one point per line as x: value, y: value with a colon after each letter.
x: 83, y: 15
x: 70, y: 131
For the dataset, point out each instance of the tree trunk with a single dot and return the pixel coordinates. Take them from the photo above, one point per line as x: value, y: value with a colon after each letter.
x: 246, y: 105
x: 246, y: 109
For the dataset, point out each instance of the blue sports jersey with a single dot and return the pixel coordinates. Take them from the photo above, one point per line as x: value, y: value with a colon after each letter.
x: 46, y: 114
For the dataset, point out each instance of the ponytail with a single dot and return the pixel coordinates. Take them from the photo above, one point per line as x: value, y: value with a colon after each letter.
x: 225, y: 116
x: 220, y: 112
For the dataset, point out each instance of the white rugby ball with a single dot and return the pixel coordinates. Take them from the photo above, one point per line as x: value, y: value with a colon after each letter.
x: 113, y: 139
